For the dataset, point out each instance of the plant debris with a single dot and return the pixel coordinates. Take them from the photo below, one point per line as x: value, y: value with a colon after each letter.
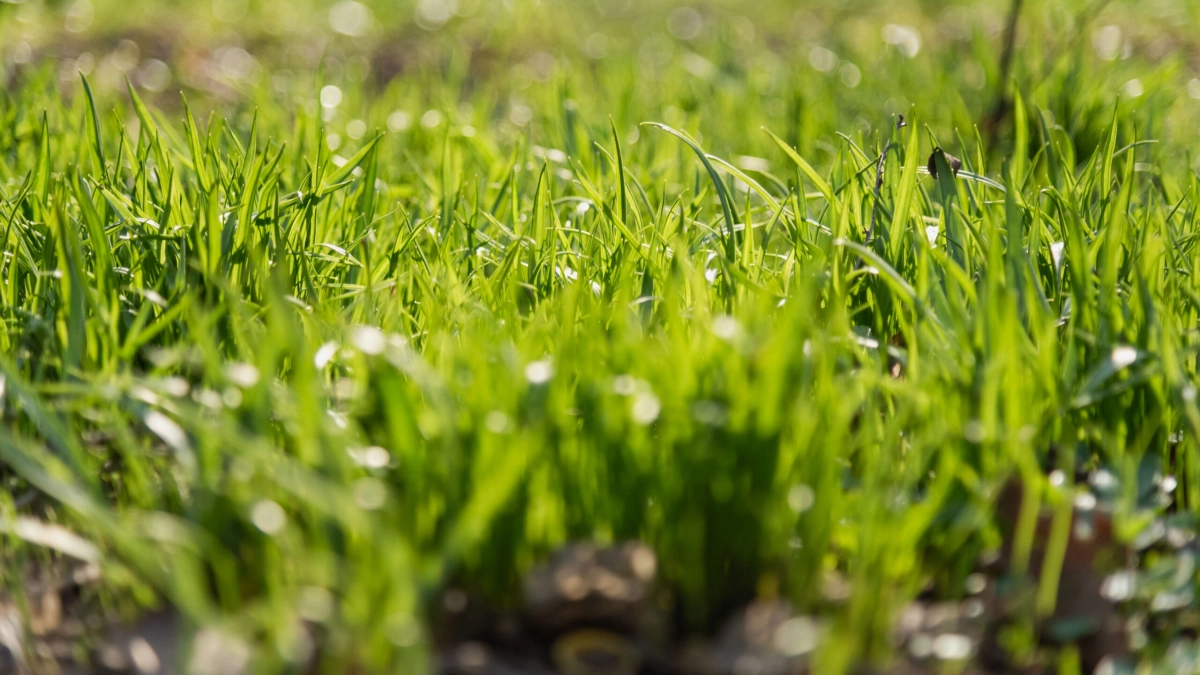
x: 954, y: 162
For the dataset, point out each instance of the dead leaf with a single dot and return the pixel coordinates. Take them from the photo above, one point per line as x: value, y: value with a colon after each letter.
x: 954, y: 162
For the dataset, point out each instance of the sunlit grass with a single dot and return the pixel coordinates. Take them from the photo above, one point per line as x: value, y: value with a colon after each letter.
x: 266, y: 355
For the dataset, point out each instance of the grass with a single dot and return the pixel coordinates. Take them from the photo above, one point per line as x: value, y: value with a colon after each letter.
x: 561, y: 318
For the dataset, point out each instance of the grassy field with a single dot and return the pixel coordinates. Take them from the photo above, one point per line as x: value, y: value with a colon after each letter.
x: 405, y: 296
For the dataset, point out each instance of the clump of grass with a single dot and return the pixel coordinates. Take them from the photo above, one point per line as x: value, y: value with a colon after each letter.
x: 292, y: 390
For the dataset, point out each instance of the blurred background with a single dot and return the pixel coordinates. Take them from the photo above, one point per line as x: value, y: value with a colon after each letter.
x: 719, y: 68
x: 523, y: 80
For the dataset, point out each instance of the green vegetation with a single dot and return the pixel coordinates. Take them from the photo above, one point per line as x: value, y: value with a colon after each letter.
x: 423, y: 304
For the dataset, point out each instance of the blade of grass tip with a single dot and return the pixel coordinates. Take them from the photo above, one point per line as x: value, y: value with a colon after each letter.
x: 165, y: 168
x: 1110, y: 149
x: 73, y: 283
x: 879, y: 176
x: 212, y: 154
x: 1020, y: 139
x: 633, y: 212
x: 820, y: 183
x: 96, y: 236
x: 100, y: 248
x: 902, y: 211
x: 722, y: 192
x: 237, y: 154
x: 19, y: 232
x: 252, y: 144
x: 170, y: 143
x: 1052, y: 159
x: 197, y: 150
x: 338, y: 178
x: 537, y: 220
x: 366, y: 203
x: 620, y: 173
x: 22, y: 197
x: 447, y: 189
x: 93, y: 120
x: 206, y: 234
x: 41, y: 183
x: 1112, y: 247
x: 122, y: 142
x: 250, y: 191
x: 320, y: 165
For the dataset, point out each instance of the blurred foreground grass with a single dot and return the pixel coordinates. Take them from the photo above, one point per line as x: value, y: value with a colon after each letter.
x: 290, y: 374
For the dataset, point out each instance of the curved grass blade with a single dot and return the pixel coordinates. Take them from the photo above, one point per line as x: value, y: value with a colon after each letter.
x: 722, y: 191
x: 817, y: 180
x: 93, y: 125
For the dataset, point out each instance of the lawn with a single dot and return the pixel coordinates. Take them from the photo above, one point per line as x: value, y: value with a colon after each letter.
x: 327, y: 326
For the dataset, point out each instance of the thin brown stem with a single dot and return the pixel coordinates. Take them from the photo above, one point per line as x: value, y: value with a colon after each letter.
x: 1003, y: 103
